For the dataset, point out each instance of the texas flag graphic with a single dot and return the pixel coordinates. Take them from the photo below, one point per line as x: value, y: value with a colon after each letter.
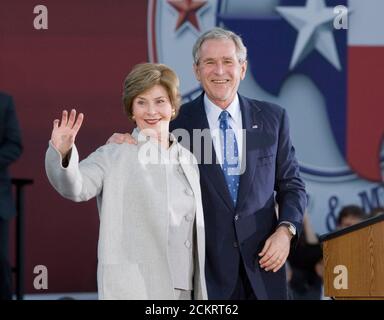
x: 365, y: 117
x: 345, y: 64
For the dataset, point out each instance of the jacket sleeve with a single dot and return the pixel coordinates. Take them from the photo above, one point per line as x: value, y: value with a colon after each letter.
x: 10, y: 138
x: 77, y: 181
x: 290, y: 188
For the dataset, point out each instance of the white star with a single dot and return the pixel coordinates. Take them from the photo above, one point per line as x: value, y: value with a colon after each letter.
x: 314, y: 23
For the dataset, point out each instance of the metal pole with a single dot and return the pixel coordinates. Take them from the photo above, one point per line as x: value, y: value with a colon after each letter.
x: 19, y: 269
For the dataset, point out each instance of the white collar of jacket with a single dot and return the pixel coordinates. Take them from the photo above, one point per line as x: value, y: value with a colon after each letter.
x: 175, y: 153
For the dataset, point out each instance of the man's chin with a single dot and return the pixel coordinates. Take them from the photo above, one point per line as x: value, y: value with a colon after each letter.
x: 220, y: 100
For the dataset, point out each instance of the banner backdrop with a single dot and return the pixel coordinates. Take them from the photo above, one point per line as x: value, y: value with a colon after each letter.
x: 322, y: 60
x: 79, y: 62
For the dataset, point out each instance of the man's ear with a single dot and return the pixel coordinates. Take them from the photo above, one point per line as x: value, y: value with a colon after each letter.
x: 196, y: 71
x: 243, y: 70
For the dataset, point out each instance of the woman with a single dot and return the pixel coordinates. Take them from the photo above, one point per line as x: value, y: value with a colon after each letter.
x: 151, y: 239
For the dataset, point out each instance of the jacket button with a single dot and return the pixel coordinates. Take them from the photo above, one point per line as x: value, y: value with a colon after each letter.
x: 236, y: 217
x: 188, y: 217
x: 187, y: 243
x: 188, y: 192
x: 235, y: 244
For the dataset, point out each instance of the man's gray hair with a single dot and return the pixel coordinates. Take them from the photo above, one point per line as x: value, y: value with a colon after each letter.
x: 220, y: 33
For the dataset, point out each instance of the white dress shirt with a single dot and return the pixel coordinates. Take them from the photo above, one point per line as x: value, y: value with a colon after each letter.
x: 235, y: 121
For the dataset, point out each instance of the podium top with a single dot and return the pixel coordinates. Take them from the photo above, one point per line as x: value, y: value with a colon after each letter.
x: 357, y: 226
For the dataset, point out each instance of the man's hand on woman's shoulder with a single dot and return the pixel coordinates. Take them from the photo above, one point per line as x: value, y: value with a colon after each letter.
x: 120, y: 138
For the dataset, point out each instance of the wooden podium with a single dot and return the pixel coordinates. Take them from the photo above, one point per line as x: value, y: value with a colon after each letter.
x: 354, y: 261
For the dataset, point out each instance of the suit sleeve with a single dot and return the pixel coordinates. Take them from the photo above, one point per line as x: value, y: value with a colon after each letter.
x: 10, y: 144
x: 290, y: 189
x: 78, y: 181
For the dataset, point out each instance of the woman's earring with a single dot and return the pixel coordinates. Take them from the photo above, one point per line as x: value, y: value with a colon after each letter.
x: 173, y: 113
x: 133, y: 117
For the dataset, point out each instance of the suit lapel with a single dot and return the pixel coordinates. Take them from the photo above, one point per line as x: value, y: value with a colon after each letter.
x: 186, y: 163
x: 253, y: 128
x: 212, y: 173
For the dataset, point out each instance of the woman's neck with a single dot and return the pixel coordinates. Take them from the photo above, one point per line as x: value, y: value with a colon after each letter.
x: 161, y: 136
x: 163, y: 140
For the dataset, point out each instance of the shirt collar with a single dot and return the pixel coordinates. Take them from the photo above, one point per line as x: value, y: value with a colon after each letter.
x: 213, y: 111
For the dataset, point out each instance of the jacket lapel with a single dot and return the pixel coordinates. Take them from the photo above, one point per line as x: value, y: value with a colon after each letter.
x: 253, y: 129
x: 186, y: 162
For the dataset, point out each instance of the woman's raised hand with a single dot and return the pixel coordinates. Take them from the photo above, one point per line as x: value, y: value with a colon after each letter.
x: 64, y: 133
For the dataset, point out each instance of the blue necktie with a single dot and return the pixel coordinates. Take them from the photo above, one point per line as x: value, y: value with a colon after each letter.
x: 230, y: 154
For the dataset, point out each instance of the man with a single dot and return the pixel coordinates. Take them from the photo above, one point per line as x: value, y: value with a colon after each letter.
x: 246, y: 243
x: 10, y: 150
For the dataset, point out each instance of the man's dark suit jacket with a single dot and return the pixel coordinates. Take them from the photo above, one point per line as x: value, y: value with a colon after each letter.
x: 10, y: 150
x: 271, y: 174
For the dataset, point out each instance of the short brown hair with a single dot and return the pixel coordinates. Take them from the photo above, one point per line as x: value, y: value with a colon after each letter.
x: 146, y: 75
x: 351, y: 211
x: 220, y: 34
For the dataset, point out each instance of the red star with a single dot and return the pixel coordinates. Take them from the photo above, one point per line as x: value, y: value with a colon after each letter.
x: 187, y: 11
